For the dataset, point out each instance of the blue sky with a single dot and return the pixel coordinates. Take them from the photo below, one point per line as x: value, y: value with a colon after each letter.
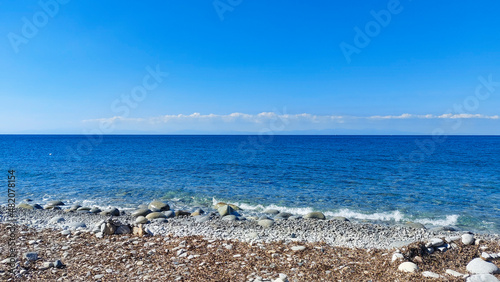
x: 238, y: 66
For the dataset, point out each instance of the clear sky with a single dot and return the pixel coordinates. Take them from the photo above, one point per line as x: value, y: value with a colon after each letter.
x: 240, y: 66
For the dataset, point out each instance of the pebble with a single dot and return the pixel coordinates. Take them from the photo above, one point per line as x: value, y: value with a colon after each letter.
x: 397, y: 256
x: 315, y: 215
x: 225, y: 210
x: 434, y: 242
x: 158, y: 205
x: 140, y: 212
x: 154, y: 215
x: 265, y: 223
x: 141, y: 220
x: 229, y: 218
x: 95, y: 210
x: 31, y: 256
x: 408, y: 267
x: 479, y: 266
x: 112, y: 211
x: 55, y: 203
x: 169, y: 214
x: 467, y: 239
x: 430, y: 274
x: 271, y: 211
x: 454, y: 273
x: 298, y: 248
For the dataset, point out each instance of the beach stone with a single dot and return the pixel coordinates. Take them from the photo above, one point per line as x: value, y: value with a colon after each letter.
x: 482, y: 278
x: 229, y: 217
x: 154, y: 215
x: 219, y: 204
x: 56, y: 219
x: 76, y: 225
x: 141, y: 212
x: 235, y: 207
x: 454, y: 273
x: 339, y: 218
x: 443, y: 229
x: 298, y: 248
x: 95, y: 210
x: 55, y: 203
x: 48, y: 264
x: 159, y: 205
x: 58, y: 264
x: 169, y: 214
x: 201, y: 219
x: 160, y: 220
x: 283, y: 215
x: 225, y: 210
x: 25, y: 206
x: 141, y: 220
x: 468, y: 239
x: 182, y: 213
x: 123, y: 229
x: 75, y: 207
x: 31, y: 256
x: 315, y: 215
x: 112, y: 211
x: 408, y: 267
x: 434, y: 242
x: 197, y: 211
x: 397, y: 256
x: 108, y: 228
x: 430, y: 274
x: 37, y: 206
x: 415, y: 225
x: 265, y: 223
x: 452, y: 239
x: 479, y: 266
x: 295, y: 217
x: 271, y: 211
x: 83, y: 209
x: 51, y: 208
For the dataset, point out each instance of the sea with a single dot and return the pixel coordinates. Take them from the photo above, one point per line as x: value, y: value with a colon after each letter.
x: 433, y: 180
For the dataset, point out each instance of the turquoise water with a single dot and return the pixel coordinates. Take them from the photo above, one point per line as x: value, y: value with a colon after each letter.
x: 455, y: 181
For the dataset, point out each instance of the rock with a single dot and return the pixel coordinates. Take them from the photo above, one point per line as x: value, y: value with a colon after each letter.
x: 415, y: 225
x: 140, y: 212
x: 112, y: 211
x: 229, y: 217
x: 37, y: 206
x: 48, y: 264
x: 83, y: 209
x: 75, y: 207
x: 58, y: 264
x: 298, y: 248
x: 430, y: 274
x: 265, y: 223
x: 139, y: 230
x: 76, y: 225
x: 479, y: 266
x: 123, y: 229
x: 95, y: 210
x: 159, y: 205
x: 315, y: 215
x: 7, y: 261
x: 169, y: 214
x: 160, y: 220
x: 234, y: 207
x: 339, y: 218
x: 108, y: 228
x: 295, y: 217
x: 271, y: 211
x: 219, y: 204
x: 65, y: 232
x: 482, y: 278
x: 443, y: 229
x: 154, y: 215
x: 452, y: 239
x: 485, y: 256
x: 408, y: 267
x: 397, y: 256
x: 182, y: 213
x: 443, y: 248
x: 225, y: 210
x: 31, y: 256
x: 468, y: 239
x: 55, y: 203
x: 197, y: 212
x: 51, y: 207
x: 435, y: 242
x: 56, y: 219
x: 454, y: 273
x: 253, y: 235
x: 25, y: 206
x: 201, y: 219
x: 283, y: 215
x: 141, y: 220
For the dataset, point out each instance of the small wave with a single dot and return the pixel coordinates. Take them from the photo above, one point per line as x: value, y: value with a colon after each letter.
x: 384, y: 216
x: 449, y: 220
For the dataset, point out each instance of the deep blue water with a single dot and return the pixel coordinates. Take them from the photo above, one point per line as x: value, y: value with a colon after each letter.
x: 452, y: 182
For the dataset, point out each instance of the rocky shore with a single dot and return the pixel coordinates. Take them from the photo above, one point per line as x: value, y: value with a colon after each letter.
x: 225, y: 243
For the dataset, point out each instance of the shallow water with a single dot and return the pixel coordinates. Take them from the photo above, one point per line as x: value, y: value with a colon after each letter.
x: 381, y: 178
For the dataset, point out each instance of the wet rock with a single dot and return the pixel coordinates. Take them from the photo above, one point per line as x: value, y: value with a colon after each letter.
x: 109, y: 212
x: 170, y: 214
x: 225, y: 210
x: 315, y: 215
x: 271, y: 211
x: 95, y: 210
x: 55, y: 203
x: 182, y: 213
x: 154, y: 215
x: 158, y: 205
x: 25, y: 206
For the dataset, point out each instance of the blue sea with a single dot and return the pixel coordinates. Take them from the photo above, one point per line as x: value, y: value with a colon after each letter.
x: 450, y: 180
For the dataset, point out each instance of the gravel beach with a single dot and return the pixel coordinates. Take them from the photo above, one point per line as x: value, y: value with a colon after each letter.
x: 81, y: 244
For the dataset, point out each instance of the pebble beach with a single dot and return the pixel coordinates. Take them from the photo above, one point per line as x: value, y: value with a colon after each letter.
x: 155, y: 242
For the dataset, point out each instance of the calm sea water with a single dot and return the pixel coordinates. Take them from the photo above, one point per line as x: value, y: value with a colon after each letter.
x: 388, y: 178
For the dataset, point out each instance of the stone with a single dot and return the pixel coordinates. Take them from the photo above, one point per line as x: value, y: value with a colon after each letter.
x: 37, y: 206
x: 108, y: 228
x: 123, y: 229
x: 295, y: 217
x: 140, y: 212
x: 298, y: 248
x: 430, y: 274
x: 454, y: 273
x: 339, y: 218
x: 225, y: 210
x: 95, y: 210
x: 112, y: 211
x: 271, y: 211
x: 154, y: 215
x: 315, y: 215
x: 83, y: 209
x: 6, y: 261
x: 31, y: 256
x: 485, y: 256
x: 201, y: 219
x: 408, y: 267
x: 76, y: 225
x: 141, y: 220
x: 265, y: 223
x: 452, y: 239
x: 55, y: 203
x: 51, y: 207
x: 159, y: 205
x: 75, y: 207
x: 65, y: 232
x: 25, y: 206
x: 229, y: 217
x: 219, y: 204
x: 170, y: 214
x: 482, y: 278
x: 235, y: 207
x: 397, y: 256
x: 182, y: 213
x: 139, y: 230
x: 48, y: 264
x: 56, y: 219
x: 415, y: 225
x: 283, y: 215
x: 479, y: 266
x: 468, y: 239
x: 434, y: 242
